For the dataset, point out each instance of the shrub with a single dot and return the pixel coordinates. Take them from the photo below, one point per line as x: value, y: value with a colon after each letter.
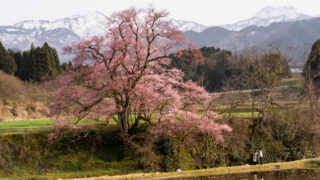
x: 167, y: 149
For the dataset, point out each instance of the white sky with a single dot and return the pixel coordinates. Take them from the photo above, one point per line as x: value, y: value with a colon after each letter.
x: 206, y: 12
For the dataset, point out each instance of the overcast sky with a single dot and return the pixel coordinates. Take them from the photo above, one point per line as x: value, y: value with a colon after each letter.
x: 206, y: 12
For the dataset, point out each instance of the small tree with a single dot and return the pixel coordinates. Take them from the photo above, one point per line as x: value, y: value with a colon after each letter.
x: 199, y: 134
x: 261, y: 77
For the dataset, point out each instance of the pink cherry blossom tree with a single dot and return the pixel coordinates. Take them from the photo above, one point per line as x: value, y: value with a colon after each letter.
x: 124, y: 76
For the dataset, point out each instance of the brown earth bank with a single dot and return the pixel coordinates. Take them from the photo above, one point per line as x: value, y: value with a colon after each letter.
x: 21, y: 100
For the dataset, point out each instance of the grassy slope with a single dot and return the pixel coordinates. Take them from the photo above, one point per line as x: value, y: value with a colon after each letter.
x: 71, y: 157
x: 75, y: 154
x: 23, y: 100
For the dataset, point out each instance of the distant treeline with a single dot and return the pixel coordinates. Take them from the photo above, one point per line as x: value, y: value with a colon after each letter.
x: 220, y: 69
x: 36, y: 65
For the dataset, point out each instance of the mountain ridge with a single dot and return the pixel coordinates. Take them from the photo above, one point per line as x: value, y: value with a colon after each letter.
x: 286, y: 36
x: 269, y: 15
x: 73, y: 29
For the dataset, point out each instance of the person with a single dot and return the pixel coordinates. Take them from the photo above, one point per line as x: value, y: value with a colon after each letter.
x: 261, y: 156
x: 254, y: 158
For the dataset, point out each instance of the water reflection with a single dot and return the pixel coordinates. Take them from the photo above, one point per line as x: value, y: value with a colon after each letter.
x: 261, y: 175
x: 295, y: 174
x: 255, y: 176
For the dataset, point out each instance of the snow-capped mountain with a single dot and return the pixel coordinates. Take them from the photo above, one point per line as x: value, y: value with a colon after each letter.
x: 269, y: 15
x: 57, y: 33
x: 85, y: 26
x: 62, y: 32
x: 93, y: 23
x: 19, y: 38
x: 188, y: 25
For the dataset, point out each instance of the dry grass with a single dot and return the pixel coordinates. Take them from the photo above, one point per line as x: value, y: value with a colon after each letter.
x: 21, y: 100
x: 300, y: 164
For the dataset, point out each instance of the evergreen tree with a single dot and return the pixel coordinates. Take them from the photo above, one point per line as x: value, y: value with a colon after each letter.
x: 56, y: 60
x: 26, y: 64
x: 7, y: 63
x: 65, y: 66
x: 50, y: 61
x: 38, y: 63
x: 311, y: 70
x: 20, y: 63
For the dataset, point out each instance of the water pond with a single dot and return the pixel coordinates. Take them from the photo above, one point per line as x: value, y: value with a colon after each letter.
x: 293, y: 174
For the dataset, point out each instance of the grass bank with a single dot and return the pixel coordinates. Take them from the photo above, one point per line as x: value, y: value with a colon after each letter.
x: 300, y: 164
x: 93, y: 151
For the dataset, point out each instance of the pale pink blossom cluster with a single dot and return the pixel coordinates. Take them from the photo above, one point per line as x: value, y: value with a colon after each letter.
x: 184, y: 125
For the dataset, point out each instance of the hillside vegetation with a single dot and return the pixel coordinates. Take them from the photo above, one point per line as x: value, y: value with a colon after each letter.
x: 21, y: 100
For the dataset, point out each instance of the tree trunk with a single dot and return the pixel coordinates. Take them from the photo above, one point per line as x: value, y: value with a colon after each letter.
x: 124, y: 121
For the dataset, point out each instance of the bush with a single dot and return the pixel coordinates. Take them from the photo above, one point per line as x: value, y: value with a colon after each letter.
x: 167, y: 149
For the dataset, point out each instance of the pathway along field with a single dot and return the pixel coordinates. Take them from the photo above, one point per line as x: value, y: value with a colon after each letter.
x: 300, y: 164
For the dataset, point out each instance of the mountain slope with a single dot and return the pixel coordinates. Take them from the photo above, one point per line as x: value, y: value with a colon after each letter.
x: 207, y: 37
x: 91, y: 24
x: 258, y: 31
x: 284, y: 35
x: 188, y: 25
x: 65, y: 31
x: 269, y: 15
x: 58, y: 34
x: 20, y: 38
x: 84, y: 26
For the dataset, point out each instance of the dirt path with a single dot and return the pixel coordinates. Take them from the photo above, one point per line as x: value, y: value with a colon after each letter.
x: 214, y: 171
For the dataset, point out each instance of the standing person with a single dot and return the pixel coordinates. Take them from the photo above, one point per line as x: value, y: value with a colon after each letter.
x: 254, y: 158
x: 261, y: 156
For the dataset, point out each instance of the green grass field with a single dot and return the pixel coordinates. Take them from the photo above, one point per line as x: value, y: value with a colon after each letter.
x: 241, y: 114
x: 27, y: 123
x: 291, y: 82
x: 35, y: 125
x: 26, y: 126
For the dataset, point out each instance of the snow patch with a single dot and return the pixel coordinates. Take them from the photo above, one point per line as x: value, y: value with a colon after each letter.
x: 12, y: 30
x: 187, y: 25
x: 269, y: 15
